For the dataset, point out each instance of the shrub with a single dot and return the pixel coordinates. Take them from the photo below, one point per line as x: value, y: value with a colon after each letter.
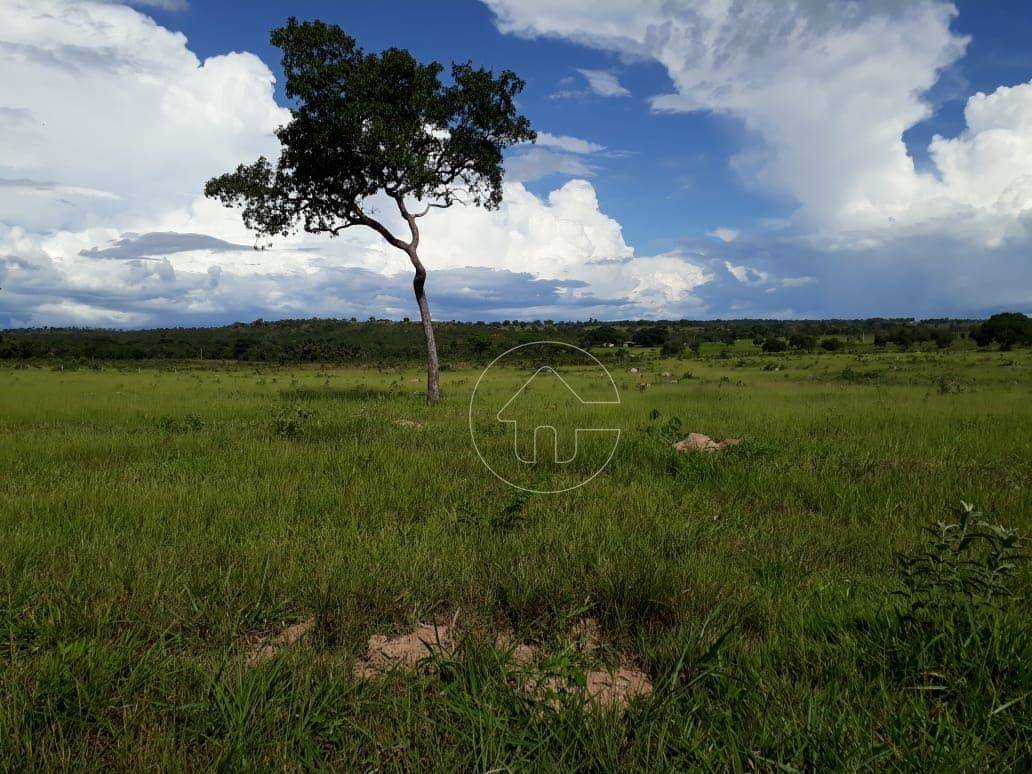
x: 291, y: 422
x: 959, y: 643
x: 964, y: 567
x: 191, y: 423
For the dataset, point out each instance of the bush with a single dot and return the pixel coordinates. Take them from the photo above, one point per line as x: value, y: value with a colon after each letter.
x: 832, y: 345
x: 959, y: 644
x: 964, y: 567
x: 191, y: 423
x: 774, y: 345
x: 291, y: 422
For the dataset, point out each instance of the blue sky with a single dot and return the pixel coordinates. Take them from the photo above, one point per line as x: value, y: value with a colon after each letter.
x: 810, y: 159
x: 675, y: 181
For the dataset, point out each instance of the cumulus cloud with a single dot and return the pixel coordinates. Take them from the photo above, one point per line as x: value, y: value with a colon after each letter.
x: 100, y: 99
x: 556, y: 256
x: 111, y: 127
x: 829, y: 89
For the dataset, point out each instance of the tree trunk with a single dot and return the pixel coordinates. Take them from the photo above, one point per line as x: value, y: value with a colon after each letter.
x: 433, y: 392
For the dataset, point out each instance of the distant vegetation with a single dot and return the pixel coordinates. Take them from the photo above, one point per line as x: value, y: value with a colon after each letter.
x: 390, y: 342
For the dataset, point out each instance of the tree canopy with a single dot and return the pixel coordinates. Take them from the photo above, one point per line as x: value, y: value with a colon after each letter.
x: 1007, y: 329
x: 365, y: 124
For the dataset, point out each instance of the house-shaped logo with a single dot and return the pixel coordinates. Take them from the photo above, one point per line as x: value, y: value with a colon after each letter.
x: 541, y: 441
x: 554, y: 430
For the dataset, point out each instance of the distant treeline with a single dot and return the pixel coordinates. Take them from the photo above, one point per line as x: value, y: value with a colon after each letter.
x: 386, y: 341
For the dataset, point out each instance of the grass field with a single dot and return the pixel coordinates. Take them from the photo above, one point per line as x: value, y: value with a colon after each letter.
x: 156, y: 522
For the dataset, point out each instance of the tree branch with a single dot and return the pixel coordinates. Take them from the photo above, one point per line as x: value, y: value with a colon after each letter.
x: 438, y: 205
x: 377, y: 226
x: 413, y: 229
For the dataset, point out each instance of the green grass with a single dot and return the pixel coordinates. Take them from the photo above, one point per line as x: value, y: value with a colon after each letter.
x: 154, y: 521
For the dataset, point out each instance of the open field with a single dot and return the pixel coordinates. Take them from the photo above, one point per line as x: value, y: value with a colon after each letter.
x: 156, y: 522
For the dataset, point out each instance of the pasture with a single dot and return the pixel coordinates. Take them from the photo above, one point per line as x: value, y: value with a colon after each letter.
x: 158, y: 521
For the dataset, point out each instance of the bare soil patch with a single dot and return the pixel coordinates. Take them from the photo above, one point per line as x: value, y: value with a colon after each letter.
x: 403, y: 651
x: 603, y: 685
x: 700, y: 442
x: 531, y: 667
x: 269, y: 647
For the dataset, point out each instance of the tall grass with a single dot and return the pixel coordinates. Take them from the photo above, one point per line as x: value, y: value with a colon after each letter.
x: 153, y: 523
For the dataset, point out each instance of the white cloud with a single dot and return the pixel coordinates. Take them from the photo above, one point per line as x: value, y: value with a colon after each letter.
x: 988, y: 168
x: 553, y: 154
x: 164, y: 5
x: 604, y: 83
x: 111, y: 127
x: 536, y: 163
x: 829, y: 88
x: 724, y: 234
x: 569, y: 144
x: 747, y: 275
x: 103, y: 100
x: 798, y: 282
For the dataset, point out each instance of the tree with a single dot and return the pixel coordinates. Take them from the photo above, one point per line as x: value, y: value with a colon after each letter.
x: 1007, y: 329
x: 943, y: 337
x: 832, y: 344
x: 650, y: 336
x: 377, y: 129
x: 802, y: 341
x: 774, y: 345
x: 673, y: 346
x: 604, y: 334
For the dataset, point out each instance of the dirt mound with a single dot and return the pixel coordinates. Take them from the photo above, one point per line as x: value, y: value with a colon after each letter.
x: 403, y: 651
x: 604, y: 686
x: 616, y: 688
x: 527, y: 664
x: 268, y: 648
x: 699, y: 442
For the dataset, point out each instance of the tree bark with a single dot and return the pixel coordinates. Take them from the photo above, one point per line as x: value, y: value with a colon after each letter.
x: 433, y: 389
x: 432, y: 368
